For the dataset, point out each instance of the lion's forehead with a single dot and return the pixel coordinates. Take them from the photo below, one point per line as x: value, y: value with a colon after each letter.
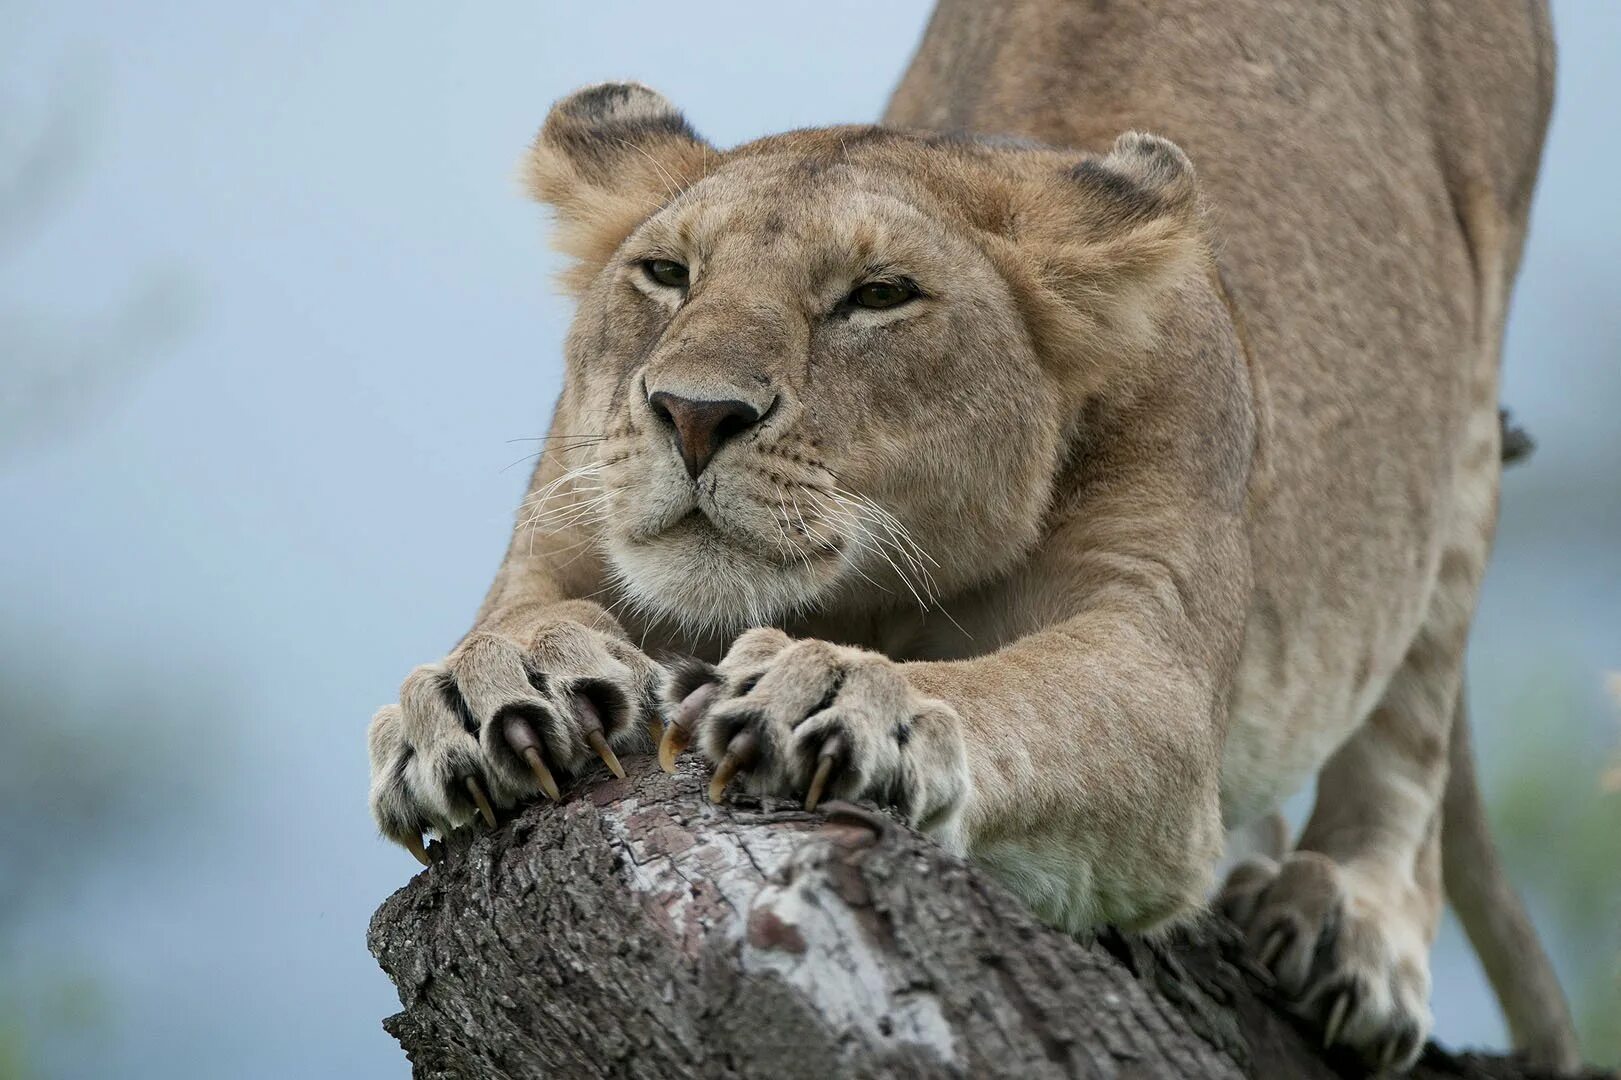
x: 761, y: 219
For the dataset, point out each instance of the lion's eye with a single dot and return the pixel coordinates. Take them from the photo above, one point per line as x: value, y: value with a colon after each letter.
x: 879, y: 295
x: 666, y: 272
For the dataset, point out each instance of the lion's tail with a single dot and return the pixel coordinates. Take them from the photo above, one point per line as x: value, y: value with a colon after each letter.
x: 1495, y: 919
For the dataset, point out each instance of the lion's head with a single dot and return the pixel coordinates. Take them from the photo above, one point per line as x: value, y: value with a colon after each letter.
x: 837, y: 368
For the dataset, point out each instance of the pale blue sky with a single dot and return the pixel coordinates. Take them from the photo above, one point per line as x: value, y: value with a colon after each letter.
x: 298, y: 490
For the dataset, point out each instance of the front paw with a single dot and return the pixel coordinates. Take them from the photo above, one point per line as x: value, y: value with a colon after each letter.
x: 491, y: 725
x: 811, y: 719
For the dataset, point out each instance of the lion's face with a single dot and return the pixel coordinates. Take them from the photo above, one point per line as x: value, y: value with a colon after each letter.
x: 891, y: 433
x: 800, y: 375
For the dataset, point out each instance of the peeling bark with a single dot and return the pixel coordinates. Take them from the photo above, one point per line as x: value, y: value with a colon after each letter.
x: 637, y: 931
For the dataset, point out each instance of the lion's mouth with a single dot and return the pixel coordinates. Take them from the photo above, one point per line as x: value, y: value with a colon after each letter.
x: 782, y: 546
x: 709, y: 570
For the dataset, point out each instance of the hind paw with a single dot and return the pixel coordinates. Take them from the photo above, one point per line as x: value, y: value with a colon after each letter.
x: 1349, y: 962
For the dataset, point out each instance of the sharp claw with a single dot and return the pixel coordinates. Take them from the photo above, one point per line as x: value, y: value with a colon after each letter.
x: 414, y: 845
x: 832, y: 750
x: 605, y: 752
x: 1336, y: 1019
x: 591, y: 723
x: 824, y: 769
x: 677, y: 734
x: 672, y: 745
x: 655, y: 729
x: 740, y: 754
x: 522, y: 738
x: 484, y: 808
x: 1272, y: 948
x: 543, y: 775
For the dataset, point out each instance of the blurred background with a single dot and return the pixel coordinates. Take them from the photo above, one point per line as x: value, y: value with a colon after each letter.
x: 273, y: 312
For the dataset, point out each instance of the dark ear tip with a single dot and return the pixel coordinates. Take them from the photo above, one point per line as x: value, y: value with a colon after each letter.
x: 612, y: 103
x: 1147, y: 145
x: 1154, y: 162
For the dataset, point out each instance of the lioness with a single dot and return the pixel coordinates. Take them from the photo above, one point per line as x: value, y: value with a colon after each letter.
x: 1077, y: 505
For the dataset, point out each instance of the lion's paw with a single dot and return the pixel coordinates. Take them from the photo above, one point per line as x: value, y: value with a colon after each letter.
x: 810, y: 719
x: 487, y: 727
x: 1353, y: 966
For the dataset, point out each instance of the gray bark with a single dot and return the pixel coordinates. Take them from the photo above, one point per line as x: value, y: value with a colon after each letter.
x: 637, y: 931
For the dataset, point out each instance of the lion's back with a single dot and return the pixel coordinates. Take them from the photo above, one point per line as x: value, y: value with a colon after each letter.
x: 1369, y: 169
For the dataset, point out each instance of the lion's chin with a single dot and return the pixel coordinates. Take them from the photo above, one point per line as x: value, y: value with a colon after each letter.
x: 701, y: 579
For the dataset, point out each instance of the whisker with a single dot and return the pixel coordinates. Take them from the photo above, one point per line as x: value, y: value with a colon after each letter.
x: 562, y: 448
x: 783, y: 529
x: 804, y: 526
x: 520, y: 461
x: 893, y: 532
x: 586, y: 516
x: 894, y: 523
x: 586, y: 544
x: 875, y: 529
x: 561, y: 517
x: 539, y: 512
x: 567, y: 477
x: 558, y: 435
x: 891, y: 538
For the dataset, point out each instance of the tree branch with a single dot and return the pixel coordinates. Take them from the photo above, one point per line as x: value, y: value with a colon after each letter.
x: 637, y: 931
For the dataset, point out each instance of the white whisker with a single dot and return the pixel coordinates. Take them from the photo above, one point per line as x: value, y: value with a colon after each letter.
x: 872, y: 528
x: 543, y: 517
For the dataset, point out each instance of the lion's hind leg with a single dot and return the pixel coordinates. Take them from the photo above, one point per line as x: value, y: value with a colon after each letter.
x: 1345, y: 921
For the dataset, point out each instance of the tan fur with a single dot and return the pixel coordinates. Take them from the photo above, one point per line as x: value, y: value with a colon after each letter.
x: 1167, y: 493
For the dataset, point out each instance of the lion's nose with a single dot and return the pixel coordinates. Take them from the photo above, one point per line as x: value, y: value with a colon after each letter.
x: 701, y: 427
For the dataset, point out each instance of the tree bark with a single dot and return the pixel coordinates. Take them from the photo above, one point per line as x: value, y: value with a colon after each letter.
x: 637, y: 931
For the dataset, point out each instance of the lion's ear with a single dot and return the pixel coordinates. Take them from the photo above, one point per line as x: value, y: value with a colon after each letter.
x: 1143, y: 177
x: 1122, y: 233
x: 607, y: 157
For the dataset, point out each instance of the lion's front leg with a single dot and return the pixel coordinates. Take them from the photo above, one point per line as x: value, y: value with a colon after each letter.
x: 1092, y: 795
x: 812, y: 720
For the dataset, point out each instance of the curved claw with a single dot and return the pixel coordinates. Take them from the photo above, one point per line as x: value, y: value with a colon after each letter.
x: 486, y: 811
x: 1336, y: 1019
x: 677, y: 734
x: 591, y: 721
x: 522, y: 738
x: 826, y: 762
x: 740, y: 754
x: 413, y: 844
x: 543, y: 775
x: 674, y: 743
x: 605, y: 752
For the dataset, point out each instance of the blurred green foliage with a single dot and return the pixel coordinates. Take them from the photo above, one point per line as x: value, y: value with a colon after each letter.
x: 1560, y: 831
x: 85, y: 770
x: 56, y: 1005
